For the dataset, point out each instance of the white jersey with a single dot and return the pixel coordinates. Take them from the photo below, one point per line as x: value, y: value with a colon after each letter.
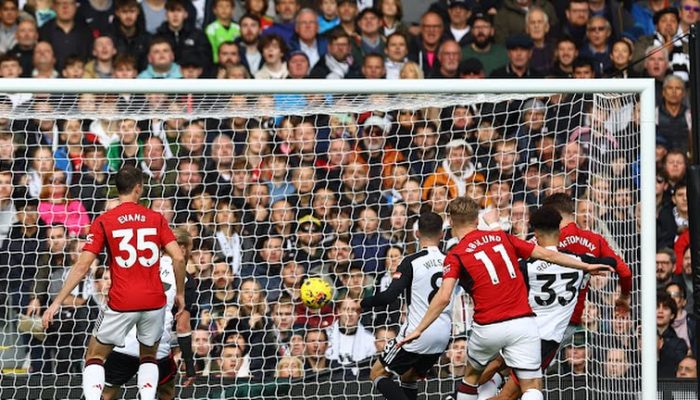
x: 553, y: 293
x: 131, y: 344
x: 425, y: 272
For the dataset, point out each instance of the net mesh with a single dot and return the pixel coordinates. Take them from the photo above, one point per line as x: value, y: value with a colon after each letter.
x: 277, y: 188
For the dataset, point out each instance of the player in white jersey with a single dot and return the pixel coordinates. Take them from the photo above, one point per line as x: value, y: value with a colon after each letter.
x: 553, y: 291
x: 123, y: 362
x: 419, y: 276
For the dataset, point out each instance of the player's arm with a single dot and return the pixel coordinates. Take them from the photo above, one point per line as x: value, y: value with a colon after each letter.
x: 555, y: 257
x: 610, y: 261
x: 401, y: 280
x: 76, y: 274
x: 172, y: 249
x: 623, y: 272
x: 437, y: 306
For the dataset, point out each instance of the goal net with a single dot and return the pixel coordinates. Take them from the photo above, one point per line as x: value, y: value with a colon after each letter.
x: 276, y: 188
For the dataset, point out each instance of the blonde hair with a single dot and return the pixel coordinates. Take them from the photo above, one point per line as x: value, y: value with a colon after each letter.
x: 411, y: 70
x: 463, y: 210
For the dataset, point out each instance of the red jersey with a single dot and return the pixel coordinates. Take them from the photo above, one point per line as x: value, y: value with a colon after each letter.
x: 486, y: 263
x: 581, y: 241
x: 134, y: 236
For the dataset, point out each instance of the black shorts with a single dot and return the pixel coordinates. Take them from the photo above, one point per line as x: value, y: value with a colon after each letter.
x: 399, y: 361
x: 550, y: 348
x: 120, y: 368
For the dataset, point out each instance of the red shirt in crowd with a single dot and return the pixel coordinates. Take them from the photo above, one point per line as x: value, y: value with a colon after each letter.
x: 486, y: 263
x: 134, y: 236
x: 581, y: 241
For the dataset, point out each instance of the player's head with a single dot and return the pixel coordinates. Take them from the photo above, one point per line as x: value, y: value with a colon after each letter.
x: 429, y: 227
x: 463, y: 211
x: 545, y: 222
x: 128, y: 180
x: 184, y: 240
x: 561, y: 202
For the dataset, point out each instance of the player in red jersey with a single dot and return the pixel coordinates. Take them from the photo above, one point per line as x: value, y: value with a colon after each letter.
x: 134, y: 237
x: 581, y: 241
x: 486, y: 264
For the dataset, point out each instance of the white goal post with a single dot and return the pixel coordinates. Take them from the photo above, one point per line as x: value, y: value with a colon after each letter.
x: 644, y: 88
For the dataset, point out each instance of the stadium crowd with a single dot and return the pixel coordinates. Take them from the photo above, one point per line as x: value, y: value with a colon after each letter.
x: 272, y: 200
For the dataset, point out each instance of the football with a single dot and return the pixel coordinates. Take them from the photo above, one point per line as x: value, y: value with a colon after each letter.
x: 316, y: 293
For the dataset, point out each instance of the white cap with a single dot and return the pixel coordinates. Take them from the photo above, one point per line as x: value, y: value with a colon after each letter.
x: 460, y: 143
x: 378, y: 122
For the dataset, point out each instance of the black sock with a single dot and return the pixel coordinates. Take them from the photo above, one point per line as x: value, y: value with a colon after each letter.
x: 410, y: 389
x: 389, y: 389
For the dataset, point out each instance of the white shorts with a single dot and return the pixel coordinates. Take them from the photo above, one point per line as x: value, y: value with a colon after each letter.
x: 517, y: 340
x: 113, y: 326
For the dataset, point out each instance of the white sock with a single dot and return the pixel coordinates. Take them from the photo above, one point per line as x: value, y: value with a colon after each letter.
x: 532, y: 394
x: 488, y: 390
x: 93, y: 381
x: 148, y: 380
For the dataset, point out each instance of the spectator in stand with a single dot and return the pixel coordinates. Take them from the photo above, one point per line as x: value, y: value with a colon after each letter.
x: 229, y: 56
x: 674, y: 119
x: 621, y: 56
x: 583, y: 68
x: 185, y: 39
x: 687, y: 368
x: 161, y: 61
x: 337, y: 62
x: 328, y: 16
x: 383, y: 335
x: 349, y: 341
x: 665, y: 259
x: 90, y: 183
x: 369, y: 246
x: 564, y: 55
x: 448, y: 56
x: 347, y: 14
x: 56, y: 206
x: 282, y: 315
x: 667, y: 21
x: 396, y: 51
x: 189, y: 179
x: 273, y: 49
x: 671, y: 348
x: 482, y: 46
x: 456, y: 356
x: 67, y: 35
x: 230, y: 361
x: 597, y: 46
x: 355, y: 192
x: 519, y: 57
x: 316, y: 366
x: 673, y: 218
x: 675, y: 163
x: 8, y: 213
x: 73, y: 68
x: 129, y: 33
x: 643, y: 13
x: 285, y: 10
x: 392, y: 17
x: 9, y: 17
x: 101, y: 66
x: 201, y: 347
x: 374, y: 149
x: 27, y: 36
x: 685, y: 323
x: 128, y: 151
x: 373, y: 67
x: 656, y: 66
x: 259, y: 10
x: 298, y: 65
x: 306, y: 37
x: 44, y: 61
x: 423, y: 49
x: 97, y: 14
x: 577, y: 15
x: 371, y: 39
x: 537, y: 27
x: 223, y: 29
x: 459, y: 12
x: 510, y: 19
x: 689, y: 15
x: 248, y: 44
x: 455, y: 171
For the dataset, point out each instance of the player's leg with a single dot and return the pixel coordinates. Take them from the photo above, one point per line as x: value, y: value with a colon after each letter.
x: 422, y: 363
x: 384, y: 382
x: 491, y: 379
x: 119, y: 369
x: 110, y: 330
x: 167, y: 372
x: 524, y: 355
x: 484, y: 344
x: 149, y: 329
x: 409, y: 383
x: 509, y: 391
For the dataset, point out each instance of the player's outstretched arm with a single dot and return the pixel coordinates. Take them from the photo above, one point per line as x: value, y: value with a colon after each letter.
x: 554, y: 257
x: 437, y: 305
x: 76, y: 274
x: 172, y: 249
x: 402, y: 278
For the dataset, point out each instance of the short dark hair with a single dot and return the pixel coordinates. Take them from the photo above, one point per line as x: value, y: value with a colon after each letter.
x: 9, y: 57
x: 73, y: 59
x: 582, y: 62
x: 159, y: 40
x: 127, y: 179
x: 561, y: 202
x: 665, y: 299
x: 430, y: 224
x: 681, y: 289
x: 273, y: 37
x: 94, y: 149
x: 545, y: 219
x: 121, y: 4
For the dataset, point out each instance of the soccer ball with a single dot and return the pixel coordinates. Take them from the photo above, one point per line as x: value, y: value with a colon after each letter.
x: 316, y: 293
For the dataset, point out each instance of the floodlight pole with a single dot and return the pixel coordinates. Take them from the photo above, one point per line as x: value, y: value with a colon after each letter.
x: 694, y: 173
